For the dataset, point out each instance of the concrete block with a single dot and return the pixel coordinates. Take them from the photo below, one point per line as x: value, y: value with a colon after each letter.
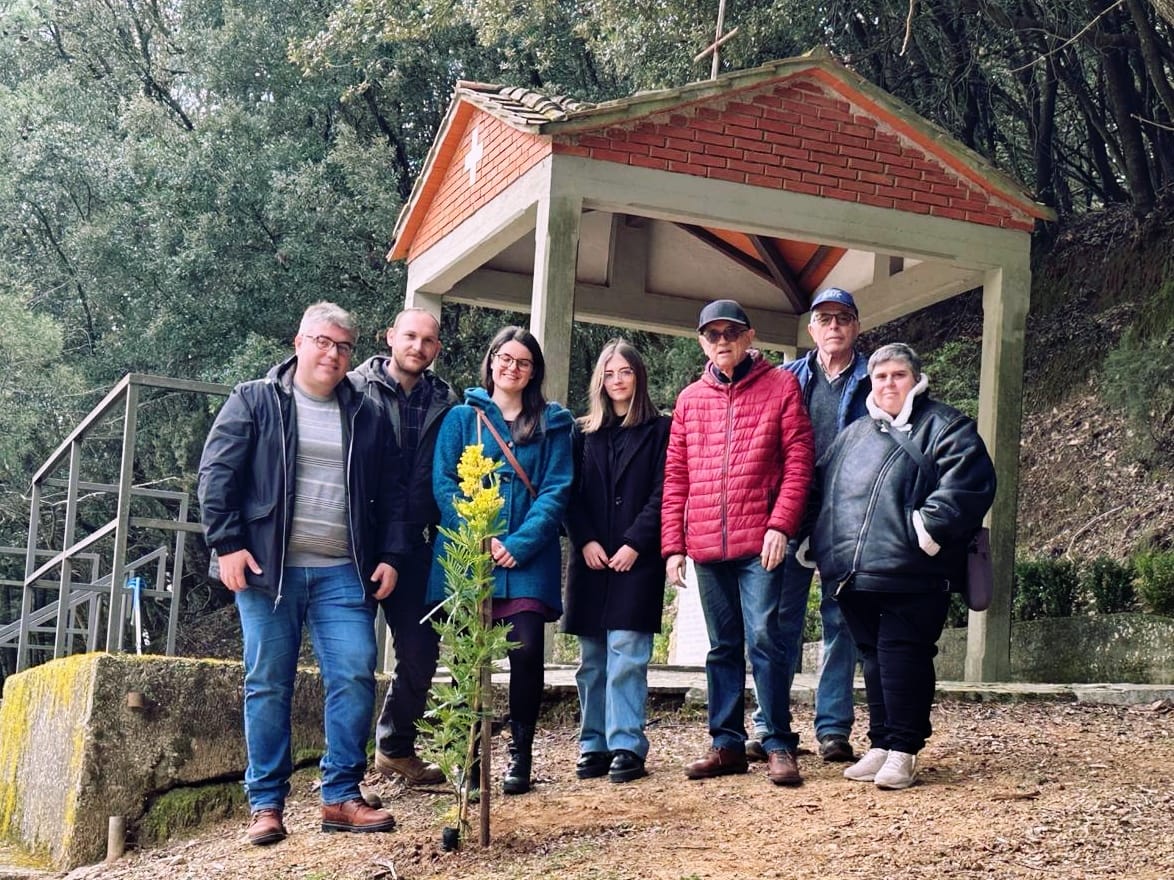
x: 97, y: 735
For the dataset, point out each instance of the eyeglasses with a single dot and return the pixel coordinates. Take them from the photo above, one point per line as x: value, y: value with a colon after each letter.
x: 824, y: 319
x: 509, y: 362
x: 618, y: 375
x: 325, y: 343
x: 730, y: 334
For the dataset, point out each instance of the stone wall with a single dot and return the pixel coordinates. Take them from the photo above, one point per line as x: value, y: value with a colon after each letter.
x: 97, y: 735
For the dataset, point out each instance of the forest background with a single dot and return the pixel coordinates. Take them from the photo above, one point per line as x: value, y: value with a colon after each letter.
x: 180, y: 178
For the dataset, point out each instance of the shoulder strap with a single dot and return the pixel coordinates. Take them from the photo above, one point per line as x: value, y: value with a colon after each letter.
x: 508, y: 453
x: 902, y: 440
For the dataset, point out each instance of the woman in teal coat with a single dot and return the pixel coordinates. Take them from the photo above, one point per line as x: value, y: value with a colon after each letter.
x: 527, y: 557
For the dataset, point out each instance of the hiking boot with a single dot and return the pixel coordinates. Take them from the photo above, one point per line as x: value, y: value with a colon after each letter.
x: 626, y: 766
x: 717, y: 762
x: 355, y: 815
x: 899, y: 771
x: 265, y: 827
x: 410, y: 768
x: 754, y: 750
x: 835, y: 747
x: 592, y: 765
x: 782, y: 768
x: 866, y: 768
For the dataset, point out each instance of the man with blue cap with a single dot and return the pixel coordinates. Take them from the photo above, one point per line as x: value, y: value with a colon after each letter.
x: 835, y: 384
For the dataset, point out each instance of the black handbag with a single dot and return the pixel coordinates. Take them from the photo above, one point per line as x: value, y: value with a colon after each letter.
x: 979, y: 587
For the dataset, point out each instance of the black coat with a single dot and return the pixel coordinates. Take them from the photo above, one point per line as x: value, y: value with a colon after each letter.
x: 867, y: 488
x: 248, y: 470
x: 616, y: 509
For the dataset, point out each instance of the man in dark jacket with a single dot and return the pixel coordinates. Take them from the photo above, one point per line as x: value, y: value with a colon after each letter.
x: 414, y: 400
x: 834, y: 379
x: 298, y: 483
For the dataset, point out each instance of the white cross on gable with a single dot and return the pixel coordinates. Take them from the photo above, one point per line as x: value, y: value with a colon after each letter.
x: 474, y: 156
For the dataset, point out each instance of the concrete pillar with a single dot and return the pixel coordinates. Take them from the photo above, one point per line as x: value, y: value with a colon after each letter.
x: 1005, y: 299
x: 556, y: 253
x: 418, y: 299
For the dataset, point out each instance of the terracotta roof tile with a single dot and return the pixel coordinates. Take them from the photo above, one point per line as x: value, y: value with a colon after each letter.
x: 520, y: 106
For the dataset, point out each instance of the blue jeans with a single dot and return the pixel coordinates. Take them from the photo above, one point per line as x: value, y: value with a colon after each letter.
x: 740, y: 600
x: 341, y: 618
x: 834, y: 712
x: 613, y: 689
x: 417, y: 646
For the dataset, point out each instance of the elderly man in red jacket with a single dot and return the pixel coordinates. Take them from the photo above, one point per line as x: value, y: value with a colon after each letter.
x: 739, y: 463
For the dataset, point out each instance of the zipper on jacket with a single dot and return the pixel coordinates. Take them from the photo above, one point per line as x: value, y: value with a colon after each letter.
x: 867, y: 522
x: 726, y: 469
x: 284, y: 499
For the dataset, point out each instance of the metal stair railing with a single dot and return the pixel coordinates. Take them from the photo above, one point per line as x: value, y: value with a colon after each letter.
x: 108, y: 591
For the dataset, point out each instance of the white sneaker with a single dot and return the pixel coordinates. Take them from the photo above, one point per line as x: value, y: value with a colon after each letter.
x: 865, y: 769
x: 899, y: 771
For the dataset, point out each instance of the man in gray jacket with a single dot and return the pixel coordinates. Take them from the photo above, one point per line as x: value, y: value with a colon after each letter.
x: 415, y: 401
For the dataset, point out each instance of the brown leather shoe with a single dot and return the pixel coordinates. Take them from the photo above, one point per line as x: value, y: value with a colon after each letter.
x: 410, y: 768
x: 717, y: 762
x: 355, y: 815
x: 265, y: 827
x: 782, y: 768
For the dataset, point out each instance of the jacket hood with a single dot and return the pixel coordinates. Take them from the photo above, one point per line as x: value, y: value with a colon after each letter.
x: 556, y: 416
x: 901, y: 420
x: 374, y: 371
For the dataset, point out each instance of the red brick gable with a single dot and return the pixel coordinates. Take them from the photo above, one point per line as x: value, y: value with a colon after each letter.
x: 801, y: 135
x: 506, y: 154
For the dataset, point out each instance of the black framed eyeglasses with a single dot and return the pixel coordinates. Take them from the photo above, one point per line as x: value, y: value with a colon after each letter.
x: 824, y: 319
x: 325, y: 343
x: 509, y: 362
x: 730, y: 334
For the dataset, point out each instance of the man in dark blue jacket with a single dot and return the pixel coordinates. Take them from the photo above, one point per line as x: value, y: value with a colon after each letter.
x: 298, y: 485
x: 834, y: 379
x: 414, y: 400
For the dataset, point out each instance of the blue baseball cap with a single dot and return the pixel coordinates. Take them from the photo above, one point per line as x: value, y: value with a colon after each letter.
x: 835, y: 295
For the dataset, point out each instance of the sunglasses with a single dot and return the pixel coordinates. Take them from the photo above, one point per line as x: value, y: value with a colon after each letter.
x: 730, y: 334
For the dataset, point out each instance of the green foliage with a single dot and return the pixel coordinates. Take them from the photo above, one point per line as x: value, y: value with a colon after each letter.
x: 1139, y: 378
x: 469, y: 641
x: 1155, y: 580
x: 662, y: 639
x: 953, y: 373
x: 1045, y: 588
x: 1109, y: 585
x: 183, y: 809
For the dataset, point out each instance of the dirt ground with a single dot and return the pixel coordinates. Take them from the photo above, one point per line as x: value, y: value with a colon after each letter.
x: 1006, y: 790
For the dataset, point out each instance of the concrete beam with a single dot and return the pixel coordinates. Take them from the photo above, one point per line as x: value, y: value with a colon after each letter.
x: 915, y: 288
x: 552, y: 292
x: 598, y: 304
x: 757, y: 211
x: 1006, y: 296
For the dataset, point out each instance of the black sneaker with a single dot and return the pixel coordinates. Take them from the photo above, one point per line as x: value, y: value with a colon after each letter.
x: 626, y: 766
x: 592, y: 765
x: 835, y: 747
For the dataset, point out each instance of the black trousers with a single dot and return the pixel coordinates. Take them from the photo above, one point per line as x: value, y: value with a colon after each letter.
x: 897, y: 634
x: 417, y: 647
x: 526, y: 666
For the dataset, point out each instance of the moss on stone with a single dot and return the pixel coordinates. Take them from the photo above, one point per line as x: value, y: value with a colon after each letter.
x: 183, y: 809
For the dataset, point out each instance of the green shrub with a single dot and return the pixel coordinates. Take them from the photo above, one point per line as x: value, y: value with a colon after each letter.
x: 1155, y: 581
x: 1045, y: 588
x: 812, y: 623
x: 1109, y: 584
x: 953, y: 373
x: 957, y: 615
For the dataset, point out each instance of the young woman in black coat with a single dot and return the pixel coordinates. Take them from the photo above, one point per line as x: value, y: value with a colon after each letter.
x: 615, y: 586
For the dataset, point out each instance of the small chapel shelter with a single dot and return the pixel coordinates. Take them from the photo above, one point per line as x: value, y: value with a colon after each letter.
x: 762, y: 185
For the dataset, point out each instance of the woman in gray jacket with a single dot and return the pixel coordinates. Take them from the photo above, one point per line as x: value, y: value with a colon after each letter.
x: 900, y: 496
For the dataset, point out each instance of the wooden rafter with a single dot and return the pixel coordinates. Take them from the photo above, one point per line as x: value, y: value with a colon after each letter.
x: 780, y: 272
x: 728, y: 250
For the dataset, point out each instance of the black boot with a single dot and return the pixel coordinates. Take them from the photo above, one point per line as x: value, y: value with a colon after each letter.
x: 517, y: 775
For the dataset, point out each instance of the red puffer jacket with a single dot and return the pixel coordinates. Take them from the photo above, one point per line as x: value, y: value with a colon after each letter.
x: 740, y: 460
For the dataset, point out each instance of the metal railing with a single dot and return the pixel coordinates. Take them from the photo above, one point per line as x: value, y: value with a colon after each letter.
x: 53, y: 601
